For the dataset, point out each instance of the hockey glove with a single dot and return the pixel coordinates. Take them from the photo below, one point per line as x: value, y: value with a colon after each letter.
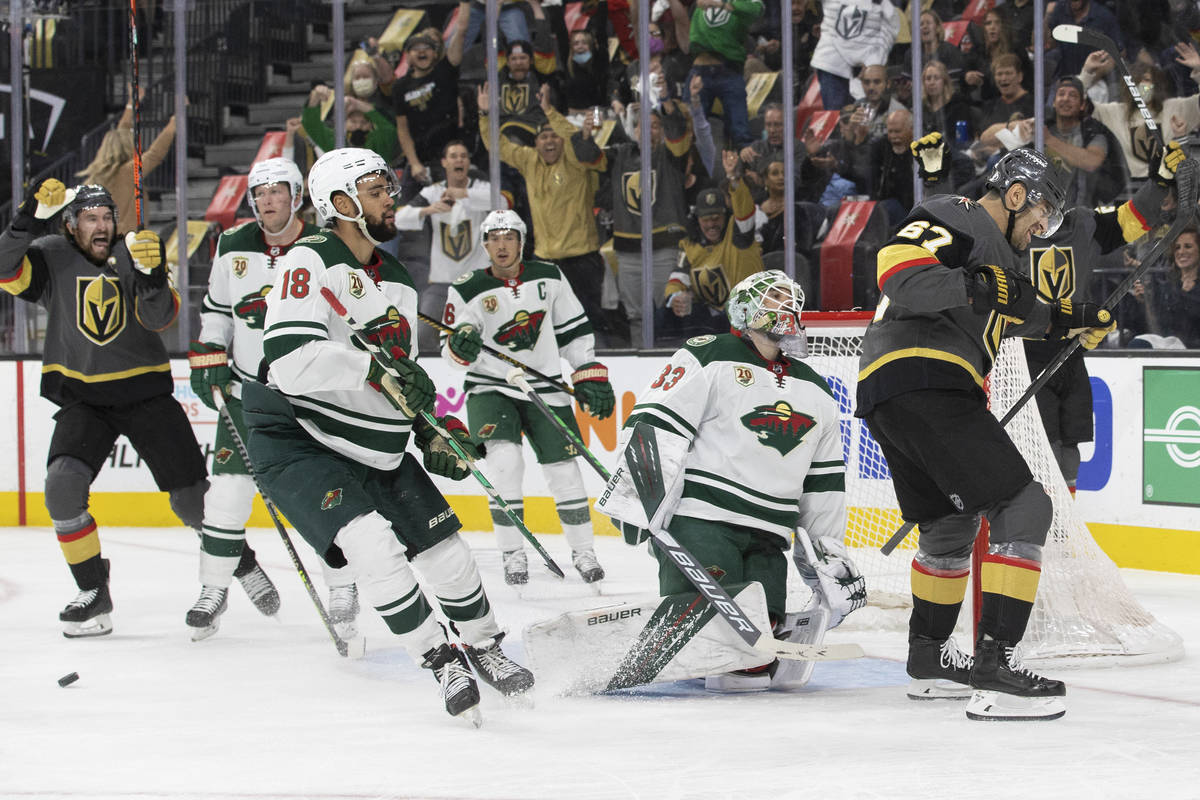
x: 464, y: 344
x: 410, y: 389
x: 41, y: 203
x: 1090, y: 322
x: 834, y: 577
x: 992, y: 288
x: 592, y: 389
x: 632, y: 533
x: 147, y: 252
x: 439, y: 456
x: 930, y: 154
x: 1164, y: 163
x: 210, y: 367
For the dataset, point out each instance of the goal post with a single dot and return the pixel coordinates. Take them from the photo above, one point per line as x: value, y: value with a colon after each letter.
x: 1084, y: 613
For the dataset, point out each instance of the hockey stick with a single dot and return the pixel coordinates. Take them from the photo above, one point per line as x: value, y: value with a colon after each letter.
x: 555, y: 382
x: 646, y: 473
x: 353, y: 648
x: 517, y: 378
x: 1074, y: 34
x: 137, y: 113
x: 505, y: 508
x: 1187, y: 184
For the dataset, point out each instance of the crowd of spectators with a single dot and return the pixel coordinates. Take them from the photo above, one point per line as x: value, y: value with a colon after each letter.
x: 569, y: 100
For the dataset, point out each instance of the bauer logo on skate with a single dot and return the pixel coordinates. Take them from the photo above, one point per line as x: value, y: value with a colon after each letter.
x: 521, y: 332
x: 779, y: 426
x: 333, y: 498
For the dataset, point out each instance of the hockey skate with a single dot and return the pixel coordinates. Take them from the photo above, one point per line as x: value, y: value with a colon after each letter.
x: 1006, y: 690
x: 587, y: 566
x: 939, y: 670
x: 343, y: 611
x: 516, y: 568
x: 806, y: 627
x: 88, y: 614
x: 498, y: 670
x: 258, y: 586
x: 740, y: 680
x: 205, y: 615
x: 453, y: 674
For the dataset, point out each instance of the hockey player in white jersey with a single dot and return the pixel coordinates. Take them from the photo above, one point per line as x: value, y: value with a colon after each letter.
x: 228, y: 352
x: 762, y: 458
x: 527, y: 309
x: 329, y: 435
x: 455, y: 208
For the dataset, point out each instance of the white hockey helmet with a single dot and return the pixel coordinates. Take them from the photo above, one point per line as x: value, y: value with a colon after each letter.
x: 771, y: 303
x: 340, y: 171
x: 502, y: 220
x: 276, y: 170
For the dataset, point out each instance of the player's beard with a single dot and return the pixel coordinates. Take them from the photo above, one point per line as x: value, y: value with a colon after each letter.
x: 381, y: 231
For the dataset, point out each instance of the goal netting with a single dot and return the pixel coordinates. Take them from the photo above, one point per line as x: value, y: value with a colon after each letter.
x: 1083, y: 613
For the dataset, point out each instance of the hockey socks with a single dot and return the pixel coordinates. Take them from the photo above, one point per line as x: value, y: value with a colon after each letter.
x: 1009, y: 587
x: 937, y: 596
x: 80, y: 545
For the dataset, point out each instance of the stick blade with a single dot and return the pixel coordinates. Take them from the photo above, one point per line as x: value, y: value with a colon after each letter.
x: 645, y: 468
x: 1067, y: 33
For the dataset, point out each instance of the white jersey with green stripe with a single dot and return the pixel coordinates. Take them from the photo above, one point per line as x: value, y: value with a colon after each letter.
x: 535, y: 318
x: 313, y: 357
x: 766, y: 445
x: 235, y: 305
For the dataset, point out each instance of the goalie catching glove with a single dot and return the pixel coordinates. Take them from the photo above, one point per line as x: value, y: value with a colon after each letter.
x: 993, y: 288
x: 930, y: 154
x: 592, y: 389
x: 439, y: 456
x: 210, y: 367
x: 1090, y: 322
x: 833, y: 577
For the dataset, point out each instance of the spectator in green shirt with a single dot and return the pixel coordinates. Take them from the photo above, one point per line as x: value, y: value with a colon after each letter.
x: 365, y: 126
x: 716, y: 40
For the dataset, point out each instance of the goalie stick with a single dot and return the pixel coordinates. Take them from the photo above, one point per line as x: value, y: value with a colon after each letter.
x: 555, y: 382
x: 646, y: 473
x: 359, y: 335
x: 352, y: 648
x: 1187, y: 187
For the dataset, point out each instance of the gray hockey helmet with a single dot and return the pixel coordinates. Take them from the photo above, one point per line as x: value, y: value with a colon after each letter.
x: 1042, y: 181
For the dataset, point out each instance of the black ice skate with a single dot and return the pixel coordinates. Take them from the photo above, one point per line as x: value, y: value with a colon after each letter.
x: 516, y: 567
x: 88, y: 614
x: 343, y: 611
x: 498, y: 670
x: 205, y: 616
x: 939, y: 670
x: 1005, y: 690
x: 258, y: 586
x: 453, y: 674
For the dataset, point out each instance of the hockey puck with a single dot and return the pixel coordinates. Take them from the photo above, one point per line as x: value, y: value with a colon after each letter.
x: 68, y: 679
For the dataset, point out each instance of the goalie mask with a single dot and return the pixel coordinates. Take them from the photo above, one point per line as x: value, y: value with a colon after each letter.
x: 771, y: 303
x: 340, y: 171
x: 272, y: 171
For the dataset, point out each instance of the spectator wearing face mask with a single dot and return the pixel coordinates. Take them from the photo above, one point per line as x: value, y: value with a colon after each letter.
x: 362, y: 83
x: 365, y: 126
x: 586, y: 74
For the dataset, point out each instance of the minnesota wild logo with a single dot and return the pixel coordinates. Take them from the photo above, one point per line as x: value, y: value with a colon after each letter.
x: 223, y: 455
x: 779, y: 426
x: 521, y: 332
x: 253, y: 308
x: 332, y: 498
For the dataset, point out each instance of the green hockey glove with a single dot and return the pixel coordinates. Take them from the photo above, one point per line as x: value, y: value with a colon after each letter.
x: 592, y: 389
x: 210, y: 367
x: 464, y: 344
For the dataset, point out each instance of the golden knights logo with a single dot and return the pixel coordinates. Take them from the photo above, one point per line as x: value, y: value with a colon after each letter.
x: 223, y: 455
x: 332, y: 498
x: 631, y: 190
x: 710, y: 284
x: 252, y: 308
x: 514, y: 97
x: 778, y: 426
x: 521, y: 332
x: 743, y: 374
x: 99, y: 308
x: 240, y: 265
x: 1053, y: 272
x: 457, y: 239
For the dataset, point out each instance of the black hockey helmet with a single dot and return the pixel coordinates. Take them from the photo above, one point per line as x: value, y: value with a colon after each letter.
x: 1042, y: 181
x: 89, y: 195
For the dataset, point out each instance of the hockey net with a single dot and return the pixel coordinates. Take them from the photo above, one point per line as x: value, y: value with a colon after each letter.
x: 1083, y: 613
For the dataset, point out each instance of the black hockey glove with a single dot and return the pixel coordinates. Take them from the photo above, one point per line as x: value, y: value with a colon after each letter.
x: 41, y: 203
x: 439, y: 456
x: 1090, y: 322
x: 992, y: 288
x: 148, y: 255
x: 930, y: 154
x: 1164, y: 163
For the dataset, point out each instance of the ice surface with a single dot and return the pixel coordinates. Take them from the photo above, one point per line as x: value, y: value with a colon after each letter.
x: 266, y: 709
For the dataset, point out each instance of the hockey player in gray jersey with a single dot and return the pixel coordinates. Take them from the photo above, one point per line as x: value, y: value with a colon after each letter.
x: 228, y: 352
x: 763, y: 458
x: 526, y: 308
x: 105, y: 366
x: 952, y: 287
x: 329, y: 435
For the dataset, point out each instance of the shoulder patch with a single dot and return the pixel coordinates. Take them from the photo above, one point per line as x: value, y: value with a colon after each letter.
x: 461, y: 279
x: 316, y: 238
x: 700, y: 341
